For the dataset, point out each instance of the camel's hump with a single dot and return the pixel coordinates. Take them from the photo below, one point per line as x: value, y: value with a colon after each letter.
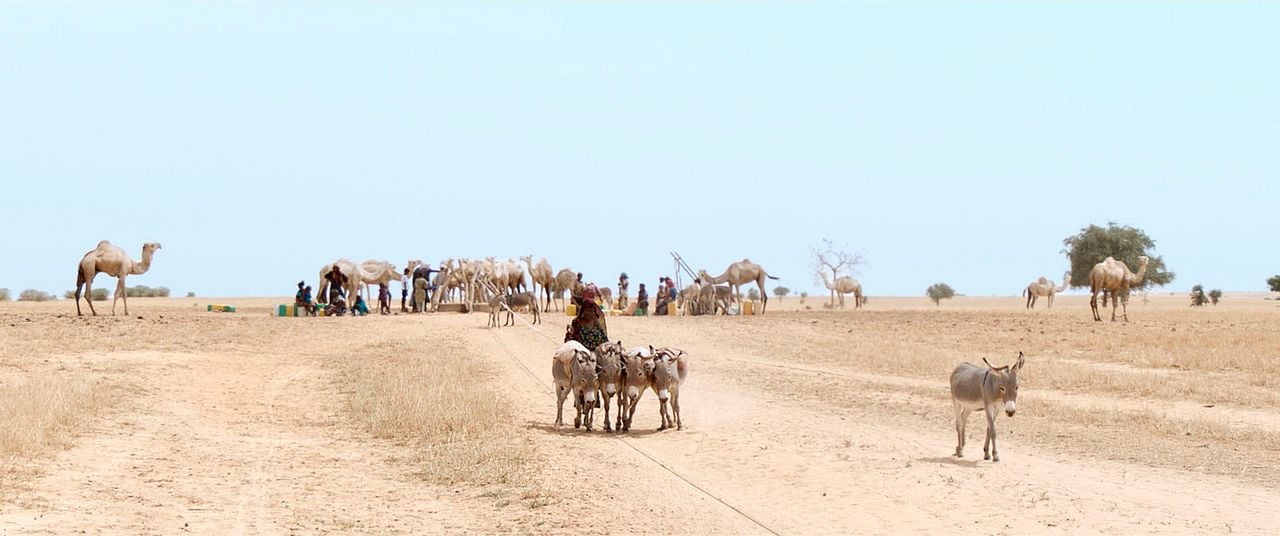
x: 104, y: 244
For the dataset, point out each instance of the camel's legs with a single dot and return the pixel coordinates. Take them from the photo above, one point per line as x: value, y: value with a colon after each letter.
x: 120, y: 295
x: 88, y: 295
x: 1093, y: 304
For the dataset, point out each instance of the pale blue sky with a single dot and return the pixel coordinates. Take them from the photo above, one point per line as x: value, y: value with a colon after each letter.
x: 958, y: 143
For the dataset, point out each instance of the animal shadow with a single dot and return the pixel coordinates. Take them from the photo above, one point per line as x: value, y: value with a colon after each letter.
x: 598, y: 432
x: 950, y: 460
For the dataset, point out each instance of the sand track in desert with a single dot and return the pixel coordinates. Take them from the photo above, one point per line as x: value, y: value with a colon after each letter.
x: 796, y: 422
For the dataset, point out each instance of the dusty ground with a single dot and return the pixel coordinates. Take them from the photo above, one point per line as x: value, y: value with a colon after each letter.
x: 801, y: 421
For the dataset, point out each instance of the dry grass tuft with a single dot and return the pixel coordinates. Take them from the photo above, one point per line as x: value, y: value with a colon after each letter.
x: 43, y: 413
x: 446, y: 408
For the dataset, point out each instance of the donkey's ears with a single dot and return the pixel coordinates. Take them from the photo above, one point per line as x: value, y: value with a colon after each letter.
x: 1021, y: 360
x: 989, y: 365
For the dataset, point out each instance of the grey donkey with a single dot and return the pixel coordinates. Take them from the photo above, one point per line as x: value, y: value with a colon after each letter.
x: 609, y: 379
x: 573, y: 368
x: 670, y: 368
x: 986, y: 388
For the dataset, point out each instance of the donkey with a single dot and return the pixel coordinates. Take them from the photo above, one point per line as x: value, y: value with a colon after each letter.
x: 573, y: 369
x: 670, y: 368
x: 974, y: 387
x: 637, y: 371
x: 609, y: 378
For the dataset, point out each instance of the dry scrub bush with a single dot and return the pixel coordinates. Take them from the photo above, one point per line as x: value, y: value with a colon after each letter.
x: 442, y: 404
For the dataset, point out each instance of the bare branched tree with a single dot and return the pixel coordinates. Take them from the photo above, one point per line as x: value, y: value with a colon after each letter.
x: 837, y: 260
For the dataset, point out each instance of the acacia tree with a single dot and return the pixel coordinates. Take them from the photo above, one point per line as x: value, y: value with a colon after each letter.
x: 781, y: 292
x: 1215, y: 295
x: 1274, y: 283
x: 1093, y: 244
x: 940, y: 291
x: 835, y: 260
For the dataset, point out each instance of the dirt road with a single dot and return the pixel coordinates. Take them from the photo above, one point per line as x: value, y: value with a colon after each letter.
x: 778, y: 439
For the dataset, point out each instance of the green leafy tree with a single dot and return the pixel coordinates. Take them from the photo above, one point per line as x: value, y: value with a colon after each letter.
x: 4, y: 294
x: 1274, y: 283
x: 781, y: 292
x: 1197, y: 296
x: 191, y: 294
x: 1093, y: 244
x: 940, y: 291
x: 1215, y: 295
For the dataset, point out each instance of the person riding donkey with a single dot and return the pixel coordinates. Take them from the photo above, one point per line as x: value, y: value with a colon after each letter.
x: 588, y: 326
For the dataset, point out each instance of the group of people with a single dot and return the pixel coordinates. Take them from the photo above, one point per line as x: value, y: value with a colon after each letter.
x: 337, y: 299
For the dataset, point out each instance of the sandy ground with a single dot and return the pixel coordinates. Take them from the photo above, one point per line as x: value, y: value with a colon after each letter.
x: 803, y: 421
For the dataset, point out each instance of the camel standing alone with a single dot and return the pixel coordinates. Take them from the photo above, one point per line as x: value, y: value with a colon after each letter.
x: 1114, y: 276
x: 736, y: 275
x: 843, y: 285
x: 110, y: 259
x: 1043, y: 288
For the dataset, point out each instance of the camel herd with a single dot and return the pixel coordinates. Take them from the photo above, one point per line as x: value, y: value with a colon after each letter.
x: 595, y: 377
x: 473, y: 281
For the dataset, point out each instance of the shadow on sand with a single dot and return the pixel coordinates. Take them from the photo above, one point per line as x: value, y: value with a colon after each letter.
x: 950, y: 460
x: 598, y: 431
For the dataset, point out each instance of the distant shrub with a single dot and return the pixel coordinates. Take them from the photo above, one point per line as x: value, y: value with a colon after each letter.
x: 781, y: 291
x: 143, y: 291
x: 1197, y: 296
x: 753, y: 294
x: 1215, y: 295
x: 99, y: 294
x: 35, y: 295
x: 1274, y: 283
x: 940, y: 291
x: 191, y: 294
x: 4, y: 294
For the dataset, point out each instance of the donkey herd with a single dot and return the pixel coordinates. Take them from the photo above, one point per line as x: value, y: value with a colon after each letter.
x: 595, y: 377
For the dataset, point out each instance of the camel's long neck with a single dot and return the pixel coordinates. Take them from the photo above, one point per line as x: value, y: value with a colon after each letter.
x: 1066, y: 280
x: 142, y: 267
x: 826, y: 281
x: 1137, y: 278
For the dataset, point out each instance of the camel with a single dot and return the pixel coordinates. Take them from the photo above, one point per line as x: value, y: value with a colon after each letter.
x: 349, y: 269
x: 564, y: 281
x: 541, y: 275
x: 515, y: 276
x: 376, y: 273
x: 1114, y: 276
x: 736, y: 275
x: 843, y: 285
x: 1043, y: 287
x: 110, y: 259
